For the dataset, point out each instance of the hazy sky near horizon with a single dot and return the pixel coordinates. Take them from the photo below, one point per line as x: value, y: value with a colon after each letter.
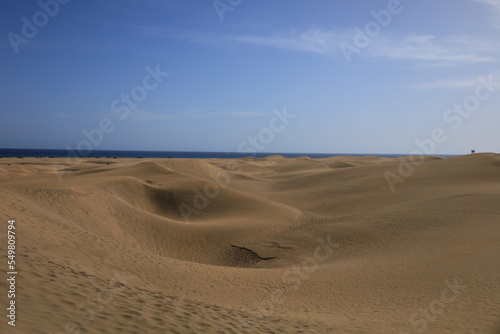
x: 357, y: 76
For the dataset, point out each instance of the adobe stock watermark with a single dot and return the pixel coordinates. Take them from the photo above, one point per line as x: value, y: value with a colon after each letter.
x: 221, y: 179
x: 372, y: 29
x: 30, y: 27
x: 421, y: 319
x: 454, y: 118
x: 292, y: 279
x: 121, y: 107
x: 223, y: 6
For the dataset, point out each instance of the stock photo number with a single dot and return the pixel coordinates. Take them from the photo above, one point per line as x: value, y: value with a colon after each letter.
x: 11, y: 272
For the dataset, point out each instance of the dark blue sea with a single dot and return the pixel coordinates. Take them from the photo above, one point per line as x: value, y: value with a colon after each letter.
x: 16, y: 152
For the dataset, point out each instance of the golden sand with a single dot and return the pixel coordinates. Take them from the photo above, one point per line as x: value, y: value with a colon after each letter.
x: 253, y: 245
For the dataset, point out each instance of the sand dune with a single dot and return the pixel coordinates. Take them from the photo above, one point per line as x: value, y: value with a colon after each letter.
x: 254, y: 245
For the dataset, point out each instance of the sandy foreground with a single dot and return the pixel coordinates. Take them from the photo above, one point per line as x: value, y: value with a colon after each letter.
x: 253, y: 245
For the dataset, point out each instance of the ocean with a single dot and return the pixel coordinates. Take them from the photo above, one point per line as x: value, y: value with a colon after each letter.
x: 16, y: 152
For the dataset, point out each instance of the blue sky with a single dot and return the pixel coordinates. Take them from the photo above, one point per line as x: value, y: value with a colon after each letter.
x: 232, y: 66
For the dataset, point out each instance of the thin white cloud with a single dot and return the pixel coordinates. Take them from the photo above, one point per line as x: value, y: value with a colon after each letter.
x: 494, y: 3
x: 496, y: 6
x: 427, y: 48
x: 313, y: 40
x: 445, y: 83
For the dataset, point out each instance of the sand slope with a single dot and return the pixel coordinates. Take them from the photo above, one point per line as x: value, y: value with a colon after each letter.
x: 254, y: 245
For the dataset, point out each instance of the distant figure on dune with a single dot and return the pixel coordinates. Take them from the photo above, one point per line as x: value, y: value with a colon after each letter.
x: 472, y: 151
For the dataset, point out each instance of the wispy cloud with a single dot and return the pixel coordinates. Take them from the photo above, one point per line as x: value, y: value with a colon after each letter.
x: 433, y: 49
x: 494, y: 3
x: 445, y: 84
x: 411, y: 47
x: 315, y: 40
x: 496, y: 6
x: 429, y: 48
